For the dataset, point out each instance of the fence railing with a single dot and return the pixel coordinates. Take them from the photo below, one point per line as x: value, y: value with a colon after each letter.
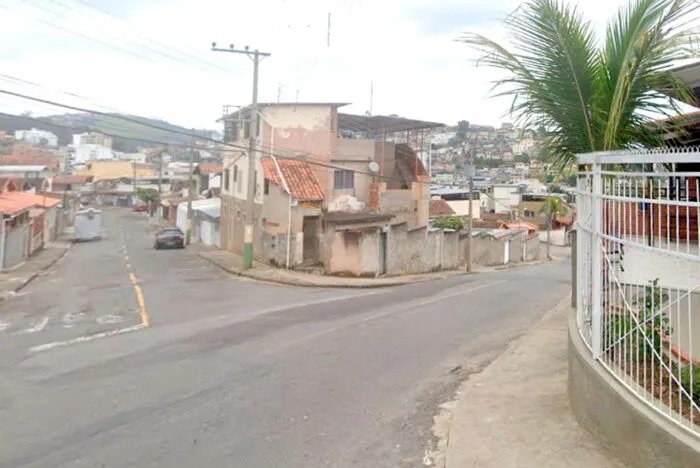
x: 638, y: 274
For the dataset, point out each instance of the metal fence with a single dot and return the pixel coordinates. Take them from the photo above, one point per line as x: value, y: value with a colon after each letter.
x: 638, y: 274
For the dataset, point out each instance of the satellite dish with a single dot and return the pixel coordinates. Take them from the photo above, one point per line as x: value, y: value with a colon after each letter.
x: 373, y: 166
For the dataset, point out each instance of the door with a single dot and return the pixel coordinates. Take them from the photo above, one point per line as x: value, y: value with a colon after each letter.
x: 310, y: 229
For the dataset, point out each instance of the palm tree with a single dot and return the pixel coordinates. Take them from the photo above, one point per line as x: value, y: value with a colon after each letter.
x: 586, y: 95
x: 553, y: 206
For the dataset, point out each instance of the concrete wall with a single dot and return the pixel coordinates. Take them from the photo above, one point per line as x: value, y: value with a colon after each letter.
x: 531, y: 249
x: 274, y: 248
x: 556, y: 236
x: 452, y: 251
x: 488, y: 251
x: 396, y: 201
x: 311, y: 129
x: 275, y: 211
x: 642, y: 266
x: 516, y: 250
x: 415, y: 251
x: 352, y: 253
x: 355, y: 150
x: 16, y: 244
x: 685, y: 321
x: 50, y: 223
x: 621, y: 421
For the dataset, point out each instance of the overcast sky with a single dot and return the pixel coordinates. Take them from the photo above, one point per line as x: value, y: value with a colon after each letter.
x: 153, y: 58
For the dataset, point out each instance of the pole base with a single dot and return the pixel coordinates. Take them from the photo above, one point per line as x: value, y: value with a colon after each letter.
x: 247, y: 255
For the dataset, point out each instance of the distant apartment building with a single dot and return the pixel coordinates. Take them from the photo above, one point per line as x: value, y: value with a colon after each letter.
x: 92, y: 146
x: 37, y: 137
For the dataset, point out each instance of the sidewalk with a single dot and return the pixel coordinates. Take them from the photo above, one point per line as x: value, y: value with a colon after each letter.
x: 516, y: 411
x: 232, y: 263
x: 16, y: 278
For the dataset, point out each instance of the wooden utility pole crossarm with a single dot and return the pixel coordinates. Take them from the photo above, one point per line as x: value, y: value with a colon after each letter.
x: 248, y: 236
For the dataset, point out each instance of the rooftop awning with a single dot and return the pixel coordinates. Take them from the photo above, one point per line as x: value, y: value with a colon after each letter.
x: 382, y: 124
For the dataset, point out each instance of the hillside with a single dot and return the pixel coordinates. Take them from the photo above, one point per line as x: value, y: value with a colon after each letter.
x: 126, y: 134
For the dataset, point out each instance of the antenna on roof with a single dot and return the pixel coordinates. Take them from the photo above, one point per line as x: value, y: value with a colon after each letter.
x: 371, y: 96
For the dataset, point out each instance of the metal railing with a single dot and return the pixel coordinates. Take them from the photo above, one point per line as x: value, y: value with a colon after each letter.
x: 638, y: 274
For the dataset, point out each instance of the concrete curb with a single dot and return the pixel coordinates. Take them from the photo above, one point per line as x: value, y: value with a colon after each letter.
x: 308, y: 284
x: 43, y: 268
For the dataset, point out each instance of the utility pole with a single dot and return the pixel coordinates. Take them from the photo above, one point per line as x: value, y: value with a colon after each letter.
x: 248, y: 234
x: 188, y: 234
x: 470, y: 169
x: 160, y: 171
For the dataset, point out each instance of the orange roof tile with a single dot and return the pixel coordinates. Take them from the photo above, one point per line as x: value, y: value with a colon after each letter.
x: 439, y: 207
x: 521, y: 225
x: 12, y: 203
x: 298, y: 175
x: 72, y: 179
x: 15, y: 202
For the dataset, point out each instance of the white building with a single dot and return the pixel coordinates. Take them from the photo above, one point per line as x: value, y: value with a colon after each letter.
x: 91, y: 146
x: 37, y: 137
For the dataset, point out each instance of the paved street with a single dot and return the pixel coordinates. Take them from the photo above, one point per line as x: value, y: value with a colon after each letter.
x: 239, y: 373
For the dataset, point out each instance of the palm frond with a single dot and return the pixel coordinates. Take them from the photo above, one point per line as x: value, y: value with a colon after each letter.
x: 585, y: 96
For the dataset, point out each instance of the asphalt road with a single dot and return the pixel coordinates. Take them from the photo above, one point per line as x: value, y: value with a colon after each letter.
x: 238, y: 373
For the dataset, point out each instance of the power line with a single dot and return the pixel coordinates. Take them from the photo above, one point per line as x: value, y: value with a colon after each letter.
x: 307, y: 156
x: 110, y: 45
x: 186, y: 54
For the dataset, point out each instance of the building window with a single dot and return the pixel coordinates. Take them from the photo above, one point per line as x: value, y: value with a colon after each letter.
x: 227, y: 174
x: 343, y: 179
x: 235, y: 173
x: 266, y: 187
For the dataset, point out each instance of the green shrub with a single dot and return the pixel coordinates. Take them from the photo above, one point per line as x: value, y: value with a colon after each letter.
x: 654, y: 329
x: 449, y: 222
x: 693, y: 389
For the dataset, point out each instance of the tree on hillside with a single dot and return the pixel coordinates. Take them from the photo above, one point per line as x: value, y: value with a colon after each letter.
x: 586, y: 95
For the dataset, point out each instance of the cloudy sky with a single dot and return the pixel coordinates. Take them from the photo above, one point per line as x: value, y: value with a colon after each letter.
x: 153, y: 58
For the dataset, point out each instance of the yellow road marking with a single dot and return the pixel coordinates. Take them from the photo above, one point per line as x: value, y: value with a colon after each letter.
x: 145, y: 319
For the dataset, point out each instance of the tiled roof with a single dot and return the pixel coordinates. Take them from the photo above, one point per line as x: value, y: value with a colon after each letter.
x: 29, y: 160
x: 13, y: 203
x: 565, y: 219
x: 298, y: 175
x: 72, y: 179
x: 439, y: 207
x: 211, y: 168
x: 42, y: 201
x: 521, y: 225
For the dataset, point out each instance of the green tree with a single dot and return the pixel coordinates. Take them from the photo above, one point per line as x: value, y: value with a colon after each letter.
x: 591, y: 95
x: 149, y: 196
x: 553, y: 206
